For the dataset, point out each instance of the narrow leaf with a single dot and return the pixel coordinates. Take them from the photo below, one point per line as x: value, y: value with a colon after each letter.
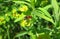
x: 41, y: 15
x: 21, y: 34
x: 56, y: 9
x: 45, y: 12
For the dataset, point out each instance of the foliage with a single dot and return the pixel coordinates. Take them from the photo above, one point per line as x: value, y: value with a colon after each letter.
x: 29, y: 19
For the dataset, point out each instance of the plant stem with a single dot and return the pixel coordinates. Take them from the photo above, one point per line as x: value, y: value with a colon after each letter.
x: 32, y: 36
x: 8, y: 33
x: 0, y: 36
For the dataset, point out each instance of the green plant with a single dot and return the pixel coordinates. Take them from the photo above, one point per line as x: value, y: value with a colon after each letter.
x: 30, y: 19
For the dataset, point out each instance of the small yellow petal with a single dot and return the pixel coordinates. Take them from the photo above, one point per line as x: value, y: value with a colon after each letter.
x: 23, y: 8
x: 23, y: 23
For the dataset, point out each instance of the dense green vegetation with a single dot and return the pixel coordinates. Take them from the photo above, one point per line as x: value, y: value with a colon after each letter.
x: 29, y: 19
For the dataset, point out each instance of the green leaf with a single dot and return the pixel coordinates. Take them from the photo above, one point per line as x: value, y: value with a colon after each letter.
x: 32, y: 36
x: 0, y: 36
x: 56, y: 9
x: 28, y: 0
x: 44, y: 36
x: 22, y: 2
x: 7, y: 19
x: 33, y: 3
x: 48, y: 7
x: 41, y: 15
x: 21, y: 34
x: 45, y: 12
x: 59, y: 18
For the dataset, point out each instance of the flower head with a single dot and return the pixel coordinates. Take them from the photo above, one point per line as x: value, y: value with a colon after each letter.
x: 24, y: 8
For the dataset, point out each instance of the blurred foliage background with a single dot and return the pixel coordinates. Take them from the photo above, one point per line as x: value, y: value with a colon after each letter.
x: 29, y: 19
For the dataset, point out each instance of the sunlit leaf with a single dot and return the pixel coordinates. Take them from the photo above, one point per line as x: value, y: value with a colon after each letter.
x: 21, y: 34
x: 41, y: 15
x: 56, y: 9
x: 45, y: 12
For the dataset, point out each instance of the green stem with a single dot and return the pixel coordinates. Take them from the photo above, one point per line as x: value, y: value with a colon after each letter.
x: 19, y: 38
x: 8, y: 33
x: 0, y: 36
x: 33, y: 3
x: 5, y: 36
x: 32, y: 36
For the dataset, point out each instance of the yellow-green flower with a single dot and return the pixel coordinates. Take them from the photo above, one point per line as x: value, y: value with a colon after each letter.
x: 16, y: 15
x: 1, y: 19
x: 24, y: 8
x: 14, y: 11
x: 23, y: 23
